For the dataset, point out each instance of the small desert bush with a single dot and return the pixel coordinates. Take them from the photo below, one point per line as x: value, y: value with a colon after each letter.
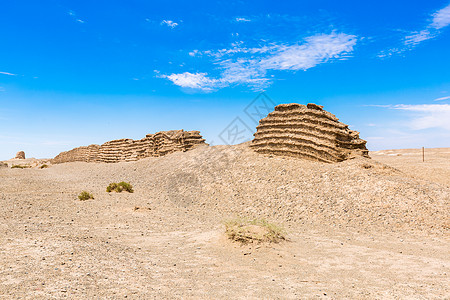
x: 43, y: 166
x: 85, y: 196
x: 19, y: 167
x: 257, y: 230
x: 119, y: 187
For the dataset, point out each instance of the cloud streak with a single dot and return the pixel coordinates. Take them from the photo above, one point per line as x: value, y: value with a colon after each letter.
x: 439, y: 20
x: 442, y: 98
x: 242, y: 20
x: 169, y: 23
x: 7, y: 73
x: 74, y: 16
x: 427, y: 116
x: 241, y: 65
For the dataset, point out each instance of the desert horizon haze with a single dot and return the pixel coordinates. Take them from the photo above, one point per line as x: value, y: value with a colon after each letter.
x: 80, y: 73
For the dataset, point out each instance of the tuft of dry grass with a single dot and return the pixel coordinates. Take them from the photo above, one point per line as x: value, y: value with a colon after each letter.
x: 248, y: 231
x: 20, y: 167
x: 119, y: 187
x: 83, y: 196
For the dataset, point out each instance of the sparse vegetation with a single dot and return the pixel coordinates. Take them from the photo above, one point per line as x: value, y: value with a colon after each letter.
x: 20, y: 167
x: 85, y: 196
x: 43, y: 166
x: 119, y: 187
x: 257, y: 230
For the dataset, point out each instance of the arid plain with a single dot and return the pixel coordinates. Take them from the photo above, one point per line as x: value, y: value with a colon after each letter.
x: 362, y: 228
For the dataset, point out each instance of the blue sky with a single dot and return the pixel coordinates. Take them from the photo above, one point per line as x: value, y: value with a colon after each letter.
x: 74, y: 73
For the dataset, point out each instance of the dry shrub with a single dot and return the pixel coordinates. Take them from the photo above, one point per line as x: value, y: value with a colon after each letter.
x: 257, y: 230
x: 85, y: 196
x: 44, y: 166
x: 20, y: 167
x: 119, y: 187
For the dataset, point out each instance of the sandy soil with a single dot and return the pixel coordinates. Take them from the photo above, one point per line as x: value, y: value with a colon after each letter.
x: 435, y: 167
x: 365, y: 228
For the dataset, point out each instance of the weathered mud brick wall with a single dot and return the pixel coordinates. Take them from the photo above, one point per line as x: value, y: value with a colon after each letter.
x: 157, y: 144
x: 85, y: 153
x: 307, y: 131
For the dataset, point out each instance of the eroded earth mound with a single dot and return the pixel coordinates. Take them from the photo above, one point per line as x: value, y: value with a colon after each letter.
x: 20, y: 155
x: 307, y: 131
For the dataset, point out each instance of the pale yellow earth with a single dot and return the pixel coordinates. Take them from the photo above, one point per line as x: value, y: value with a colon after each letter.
x: 361, y: 229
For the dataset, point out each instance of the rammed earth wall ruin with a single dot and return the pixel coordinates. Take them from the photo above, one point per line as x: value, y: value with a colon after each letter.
x: 157, y: 144
x: 307, y: 131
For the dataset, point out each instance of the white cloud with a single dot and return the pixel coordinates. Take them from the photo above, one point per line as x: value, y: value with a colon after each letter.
x: 169, y: 23
x: 193, y: 81
x: 439, y: 20
x: 249, y: 66
x: 442, y: 98
x: 74, y: 16
x: 242, y: 20
x: 418, y: 37
x: 9, y: 74
x: 317, y: 49
x: 427, y: 115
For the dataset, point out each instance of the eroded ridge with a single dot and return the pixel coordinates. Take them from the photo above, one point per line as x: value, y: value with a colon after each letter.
x: 158, y: 144
x: 307, y: 131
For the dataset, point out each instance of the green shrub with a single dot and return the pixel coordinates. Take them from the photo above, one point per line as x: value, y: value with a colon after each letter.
x: 119, y: 187
x: 257, y: 230
x: 85, y: 196
x: 20, y: 167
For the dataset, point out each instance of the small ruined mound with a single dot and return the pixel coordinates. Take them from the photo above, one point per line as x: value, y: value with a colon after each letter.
x: 249, y: 231
x: 85, y: 153
x: 307, y: 131
x: 20, y: 155
x: 158, y: 144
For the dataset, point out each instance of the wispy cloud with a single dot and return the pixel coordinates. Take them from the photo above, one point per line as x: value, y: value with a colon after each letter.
x: 7, y: 73
x: 242, y: 19
x: 193, y: 80
x: 442, y: 98
x: 427, y: 115
x: 441, y: 18
x: 169, y: 23
x: 438, y: 21
x: 250, y: 66
x: 410, y: 126
x: 74, y: 17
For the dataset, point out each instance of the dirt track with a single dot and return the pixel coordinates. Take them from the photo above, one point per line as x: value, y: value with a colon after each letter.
x: 357, y: 229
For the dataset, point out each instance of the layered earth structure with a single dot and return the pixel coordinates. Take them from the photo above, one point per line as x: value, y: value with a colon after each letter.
x: 158, y: 144
x: 307, y: 131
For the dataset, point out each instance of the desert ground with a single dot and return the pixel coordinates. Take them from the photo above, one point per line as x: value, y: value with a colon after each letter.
x: 362, y: 229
